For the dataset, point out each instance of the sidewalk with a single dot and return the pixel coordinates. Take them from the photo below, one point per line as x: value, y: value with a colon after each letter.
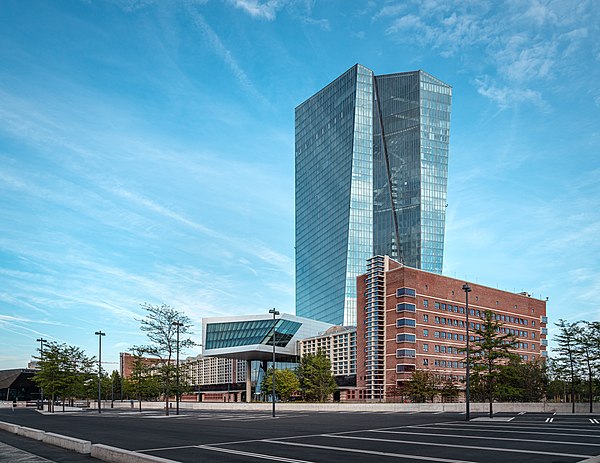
x: 18, y: 449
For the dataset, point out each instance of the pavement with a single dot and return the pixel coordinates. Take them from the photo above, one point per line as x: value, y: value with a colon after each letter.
x: 311, y: 437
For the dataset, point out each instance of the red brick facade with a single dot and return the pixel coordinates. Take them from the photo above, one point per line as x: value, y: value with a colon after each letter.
x: 435, y: 305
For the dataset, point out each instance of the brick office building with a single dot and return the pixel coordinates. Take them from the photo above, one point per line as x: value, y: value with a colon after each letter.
x: 411, y: 319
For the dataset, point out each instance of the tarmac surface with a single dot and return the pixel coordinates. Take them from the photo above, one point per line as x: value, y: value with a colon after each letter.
x: 311, y: 437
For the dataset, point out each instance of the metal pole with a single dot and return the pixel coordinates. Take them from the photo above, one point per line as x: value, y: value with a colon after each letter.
x: 41, y: 341
x: 99, y: 334
x: 275, y: 313
x: 177, y: 325
x: 467, y: 289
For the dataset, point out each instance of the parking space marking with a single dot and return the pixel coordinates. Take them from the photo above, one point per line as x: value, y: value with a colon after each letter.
x: 367, y: 452
x: 511, y: 429
x: 251, y: 454
x: 472, y: 447
x: 489, y: 438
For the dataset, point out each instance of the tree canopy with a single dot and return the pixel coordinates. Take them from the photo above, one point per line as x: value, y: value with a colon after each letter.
x: 316, y: 380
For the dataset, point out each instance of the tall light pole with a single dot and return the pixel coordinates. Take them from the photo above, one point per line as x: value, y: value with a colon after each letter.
x: 99, y: 334
x: 41, y: 341
x: 177, y: 324
x: 467, y: 289
x: 275, y: 313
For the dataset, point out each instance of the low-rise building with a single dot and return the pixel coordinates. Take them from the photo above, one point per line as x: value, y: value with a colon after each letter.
x: 411, y: 319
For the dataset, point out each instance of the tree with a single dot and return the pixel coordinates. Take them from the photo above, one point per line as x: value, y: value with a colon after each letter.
x: 141, y: 384
x: 160, y: 328
x: 520, y: 381
x: 316, y: 380
x: 286, y: 383
x: 490, y: 352
x: 63, y: 372
x: 587, y: 338
x: 422, y: 386
x: 448, y: 390
x: 568, y: 355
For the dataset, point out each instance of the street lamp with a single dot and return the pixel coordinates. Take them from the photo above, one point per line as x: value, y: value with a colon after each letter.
x: 275, y: 313
x: 41, y: 341
x: 99, y: 334
x: 177, y: 324
x: 467, y: 289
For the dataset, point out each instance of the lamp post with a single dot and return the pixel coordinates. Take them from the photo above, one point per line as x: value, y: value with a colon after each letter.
x: 467, y: 289
x: 177, y: 325
x: 41, y: 341
x: 99, y: 334
x: 275, y: 313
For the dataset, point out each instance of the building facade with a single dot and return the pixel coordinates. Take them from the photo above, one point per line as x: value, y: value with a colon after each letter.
x: 410, y: 319
x: 338, y: 344
x: 371, y: 176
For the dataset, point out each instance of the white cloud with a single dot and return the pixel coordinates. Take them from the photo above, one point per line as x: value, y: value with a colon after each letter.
x: 506, y: 96
x: 263, y: 10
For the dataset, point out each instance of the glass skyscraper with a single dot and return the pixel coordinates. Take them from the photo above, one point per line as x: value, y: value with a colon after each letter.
x: 371, y: 178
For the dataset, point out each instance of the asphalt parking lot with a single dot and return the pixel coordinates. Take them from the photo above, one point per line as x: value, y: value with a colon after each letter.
x: 303, y: 437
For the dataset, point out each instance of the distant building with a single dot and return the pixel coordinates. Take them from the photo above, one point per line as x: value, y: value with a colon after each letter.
x: 17, y: 384
x: 371, y: 178
x: 338, y: 343
x: 411, y: 319
x: 250, y: 338
x: 127, y: 363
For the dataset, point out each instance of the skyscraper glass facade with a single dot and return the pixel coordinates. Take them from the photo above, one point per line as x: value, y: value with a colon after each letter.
x: 371, y: 171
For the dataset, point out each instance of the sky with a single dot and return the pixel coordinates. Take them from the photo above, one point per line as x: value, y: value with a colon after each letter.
x: 147, y: 152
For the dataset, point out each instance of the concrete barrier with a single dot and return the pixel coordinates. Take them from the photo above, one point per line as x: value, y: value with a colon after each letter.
x: 30, y: 433
x: 116, y: 455
x: 9, y: 427
x: 66, y: 442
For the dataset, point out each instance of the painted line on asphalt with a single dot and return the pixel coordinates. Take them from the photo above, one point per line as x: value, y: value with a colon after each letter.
x: 366, y: 452
x: 517, y: 425
x: 472, y: 447
x: 490, y: 438
x: 251, y: 454
x: 496, y: 431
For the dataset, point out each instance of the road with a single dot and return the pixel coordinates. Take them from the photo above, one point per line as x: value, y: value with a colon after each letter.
x: 311, y: 437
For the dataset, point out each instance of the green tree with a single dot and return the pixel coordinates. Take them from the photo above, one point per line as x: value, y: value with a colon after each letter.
x: 520, y: 381
x: 588, y: 349
x: 568, y: 356
x: 422, y: 386
x: 142, y: 384
x: 160, y: 326
x: 448, y: 390
x: 490, y: 352
x: 286, y: 383
x: 63, y: 372
x: 316, y: 380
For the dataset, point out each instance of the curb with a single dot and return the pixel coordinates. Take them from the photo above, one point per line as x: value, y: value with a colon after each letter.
x: 99, y: 451
x: 117, y: 455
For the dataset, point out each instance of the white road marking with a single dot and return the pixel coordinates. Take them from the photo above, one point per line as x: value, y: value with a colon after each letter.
x: 489, y: 438
x: 251, y: 454
x: 474, y: 447
x: 367, y: 452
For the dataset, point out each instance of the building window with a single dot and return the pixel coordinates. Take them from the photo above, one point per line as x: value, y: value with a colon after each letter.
x: 425, y: 319
x: 425, y: 363
x: 425, y: 349
x: 400, y: 368
x: 404, y: 307
x: 405, y: 322
x: 405, y: 292
x: 425, y: 334
x: 402, y: 353
x: 405, y: 337
x: 425, y: 303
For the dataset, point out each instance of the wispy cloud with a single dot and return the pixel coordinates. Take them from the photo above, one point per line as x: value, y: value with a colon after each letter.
x: 523, y: 42
x: 219, y: 48
x: 257, y: 9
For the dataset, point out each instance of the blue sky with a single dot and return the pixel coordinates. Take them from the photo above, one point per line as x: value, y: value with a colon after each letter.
x: 147, y: 151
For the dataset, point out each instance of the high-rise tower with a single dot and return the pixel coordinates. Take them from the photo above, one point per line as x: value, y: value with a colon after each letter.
x: 371, y: 177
